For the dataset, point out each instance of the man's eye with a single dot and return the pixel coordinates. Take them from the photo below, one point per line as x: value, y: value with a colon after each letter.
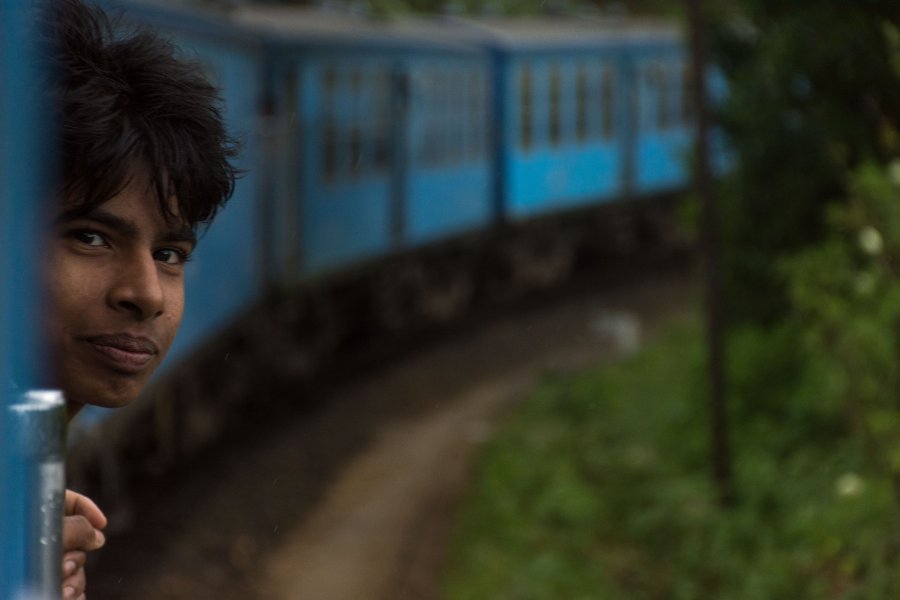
x: 171, y: 256
x: 89, y: 238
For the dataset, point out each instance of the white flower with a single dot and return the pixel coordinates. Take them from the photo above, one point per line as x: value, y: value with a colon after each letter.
x: 870, y: 241
x: 894, y: 172
x: 849, y: 485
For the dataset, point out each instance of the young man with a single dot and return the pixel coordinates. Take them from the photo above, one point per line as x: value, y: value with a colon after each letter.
x: 145, y: 161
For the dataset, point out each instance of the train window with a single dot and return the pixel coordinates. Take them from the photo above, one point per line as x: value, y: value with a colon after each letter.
x: 441, y: 130
x: 662, y: 115
x: 483, y: 129
x: 329, y: 126
x: 608, y: 101
x: 355, y: 151
x: 433, y: 141
x: 687, y: 93
x: 647, y: 100
x: 555, y: 105
x: 357, y: 165
x: 581, y: 101
x: 526, y: 133
x: 463, y: 119
x: 593, y: 82
x: 650, y: 106
x: 355, y: 109
x: 476, y: 115
x: 381, y: 123
x: 455, y: 115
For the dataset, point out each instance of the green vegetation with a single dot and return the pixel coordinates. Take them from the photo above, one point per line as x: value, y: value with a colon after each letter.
x: 598, y: 488
x: 814, y: 93
x: 845, y: 299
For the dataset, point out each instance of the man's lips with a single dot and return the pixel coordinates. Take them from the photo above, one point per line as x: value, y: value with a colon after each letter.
x: 123, y: 352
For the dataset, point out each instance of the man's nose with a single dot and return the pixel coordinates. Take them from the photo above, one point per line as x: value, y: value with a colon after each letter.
x: 137, y: 289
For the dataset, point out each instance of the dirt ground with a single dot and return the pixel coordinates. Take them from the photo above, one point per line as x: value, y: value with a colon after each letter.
x: 355, y: 500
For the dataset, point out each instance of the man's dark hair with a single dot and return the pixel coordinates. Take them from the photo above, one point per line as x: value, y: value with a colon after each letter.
x: 126, y: 102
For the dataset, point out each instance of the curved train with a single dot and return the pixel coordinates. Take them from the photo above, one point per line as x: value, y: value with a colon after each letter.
x: 395, y: 172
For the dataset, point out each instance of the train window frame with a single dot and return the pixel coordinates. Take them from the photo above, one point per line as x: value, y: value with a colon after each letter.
x: 328, y: 80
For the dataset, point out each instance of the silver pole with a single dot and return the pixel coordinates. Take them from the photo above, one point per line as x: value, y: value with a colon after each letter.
x: 38, y: 426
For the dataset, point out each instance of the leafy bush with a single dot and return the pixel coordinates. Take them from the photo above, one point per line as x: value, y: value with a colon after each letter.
x: 846, y: 298
x: 813, y: 87
x: 598, y: 488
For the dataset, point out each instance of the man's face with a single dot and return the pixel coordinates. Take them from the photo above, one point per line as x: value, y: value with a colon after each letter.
x: 115, y: 285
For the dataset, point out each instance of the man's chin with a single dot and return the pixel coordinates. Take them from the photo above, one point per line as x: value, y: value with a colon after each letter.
x: 116, y: 396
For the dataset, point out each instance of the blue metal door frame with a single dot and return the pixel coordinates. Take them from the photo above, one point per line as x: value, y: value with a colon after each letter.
x: 24, y: 159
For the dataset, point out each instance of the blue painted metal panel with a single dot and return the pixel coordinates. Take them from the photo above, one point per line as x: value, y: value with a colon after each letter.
x: 565, y: 178
x: 347, y: 224
x: 446, y: 202
x: 24, y: 161
x: 663, y: 161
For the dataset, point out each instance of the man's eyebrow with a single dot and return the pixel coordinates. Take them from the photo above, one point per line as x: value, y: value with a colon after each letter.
x: 126, y: 227
x: 98, y: 215
x: 182, y: 234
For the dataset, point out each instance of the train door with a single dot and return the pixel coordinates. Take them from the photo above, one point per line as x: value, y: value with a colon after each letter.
x: 447, y: 180
x: 345, y: 115
x: 662, y: 136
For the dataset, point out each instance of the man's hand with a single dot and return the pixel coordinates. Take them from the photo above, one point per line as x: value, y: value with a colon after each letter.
x: 81, y: 534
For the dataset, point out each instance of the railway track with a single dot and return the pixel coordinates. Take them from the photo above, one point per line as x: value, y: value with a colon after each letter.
x: 353, y: 496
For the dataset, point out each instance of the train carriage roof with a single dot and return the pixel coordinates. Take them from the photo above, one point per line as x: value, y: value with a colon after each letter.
x: 169, y: 17
x: 560, y: 31
x: 316, y: 27
x: 312, y: 27
x: 523, y: 33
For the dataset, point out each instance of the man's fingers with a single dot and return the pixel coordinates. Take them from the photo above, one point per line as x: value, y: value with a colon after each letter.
x: 76, y: 504
x: 72, y: 561
x: 79, y: 534
x: 74, y: 585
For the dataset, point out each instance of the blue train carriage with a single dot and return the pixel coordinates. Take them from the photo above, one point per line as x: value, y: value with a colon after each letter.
x: 386, y: 138
x: 591, y: 111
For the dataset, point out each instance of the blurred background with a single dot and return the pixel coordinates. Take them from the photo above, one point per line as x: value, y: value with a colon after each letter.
x: 484, y: 320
